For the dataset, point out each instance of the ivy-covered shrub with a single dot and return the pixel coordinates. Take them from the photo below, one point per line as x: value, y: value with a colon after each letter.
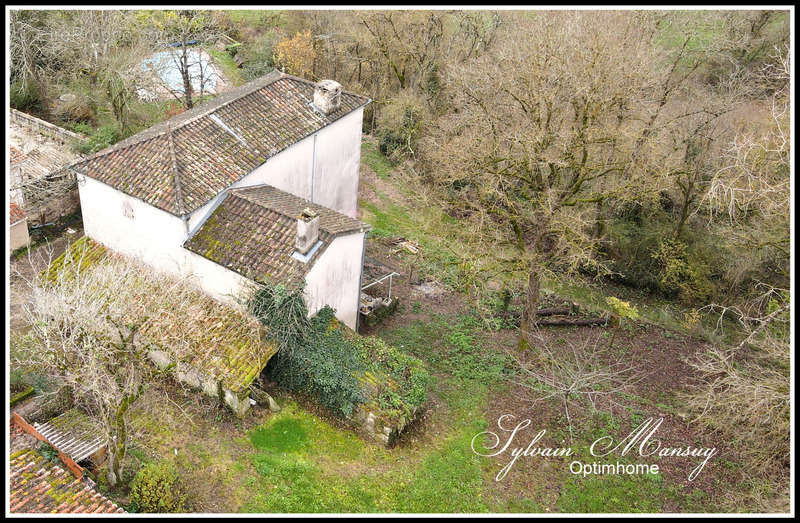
x: 337, y: 367
x: 156, y: 488
x: 401, y: 381
x: 324, y: 365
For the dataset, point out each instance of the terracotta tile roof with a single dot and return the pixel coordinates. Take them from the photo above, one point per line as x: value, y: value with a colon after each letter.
x: 253, y: 231
x: 39, y: 485
x: 182, y: 163
x: 16, y: 154
x: 15, y: 213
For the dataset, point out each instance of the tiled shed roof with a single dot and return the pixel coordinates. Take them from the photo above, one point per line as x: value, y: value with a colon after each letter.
x: 253, y: 232
x: 39, y: 485
x: 180, y: 164
x: 15, y: 213
x: 73, y: 433
x: 16, y: 154
x: 215, y: 339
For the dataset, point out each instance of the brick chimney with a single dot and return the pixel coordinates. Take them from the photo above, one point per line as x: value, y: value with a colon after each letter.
x: 307, y: 230
x: 327, y: 96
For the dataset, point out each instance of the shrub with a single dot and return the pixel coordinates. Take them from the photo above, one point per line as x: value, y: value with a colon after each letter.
x: 296, y: 54
x: 99, y: 139
x: 156, y: 488
x: 81, y: 109
x: 400, y: 125
x: 323, y: 364
x: 402, y: 380
x: 332, y: 364
x: 258, y: 57
x: 681, y: 274
x: 25, y: 97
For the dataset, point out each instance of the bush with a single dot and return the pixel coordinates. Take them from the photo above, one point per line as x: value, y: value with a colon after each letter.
x: 335, y: 366
x: 681, y: 274
x: 400, y: 125
x: 99, y: 139
x: 156, y: 488
x: 25, y: 98
x: 402, y: 380
x: 81, y: 109
x: 258, y: 57
x: 323, y: 364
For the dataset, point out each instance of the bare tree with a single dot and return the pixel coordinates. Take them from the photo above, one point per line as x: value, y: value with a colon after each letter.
x: 175, y: 33
x: 29, y: 49
x: 581, y: 372
x: 84, y: 327
x: 745, y: 392
x: 547, y: 126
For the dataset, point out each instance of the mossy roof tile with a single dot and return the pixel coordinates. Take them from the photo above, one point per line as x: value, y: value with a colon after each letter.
x: 39, y: 485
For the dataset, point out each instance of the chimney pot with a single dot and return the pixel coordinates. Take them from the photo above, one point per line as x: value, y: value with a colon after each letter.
x: 327, y: 96
x: 307, y: 230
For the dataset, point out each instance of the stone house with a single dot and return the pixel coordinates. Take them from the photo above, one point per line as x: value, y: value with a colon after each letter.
x: 38, y: 182
x: 258, y: 184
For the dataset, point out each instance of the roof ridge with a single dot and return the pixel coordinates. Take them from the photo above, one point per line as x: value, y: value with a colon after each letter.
x: 311, y: 82
x: 176, y: 175
x: 236, y: 192
x: 234, y: 99
x: 252, y: 86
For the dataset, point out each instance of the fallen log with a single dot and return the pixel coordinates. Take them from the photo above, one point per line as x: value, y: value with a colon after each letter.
x: 553, y: 311
x: 571, y: 322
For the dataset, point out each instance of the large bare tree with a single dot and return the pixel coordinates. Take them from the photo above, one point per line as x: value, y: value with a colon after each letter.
x: 84, y: 319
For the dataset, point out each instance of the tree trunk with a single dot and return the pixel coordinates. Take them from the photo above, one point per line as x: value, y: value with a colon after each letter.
x: 531, y: 305
x: 187, y: 83
x: 599, y: 229
x: 118, y: 442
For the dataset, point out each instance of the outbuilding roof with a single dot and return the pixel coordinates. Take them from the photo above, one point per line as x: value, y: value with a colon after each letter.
x: 180, y: 164
x: 39, y: 485
x: 253, y: 232
x: 73, y: 433
x: 16, y: 213
x: 215, y: 339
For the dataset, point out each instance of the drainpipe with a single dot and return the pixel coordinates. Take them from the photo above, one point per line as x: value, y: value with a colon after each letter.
x: 313, y: 167
x: 360, y: 282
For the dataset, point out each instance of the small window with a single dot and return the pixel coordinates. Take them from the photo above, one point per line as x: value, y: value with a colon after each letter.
x: 127, y: 210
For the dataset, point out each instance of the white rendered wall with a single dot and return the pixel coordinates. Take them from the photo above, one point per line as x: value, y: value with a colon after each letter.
x: 334, y: 183
x: 224, y: 285
x: 152, y: 235
x: 18, y: 236
x: 336, y: 169
x: 335, y: 279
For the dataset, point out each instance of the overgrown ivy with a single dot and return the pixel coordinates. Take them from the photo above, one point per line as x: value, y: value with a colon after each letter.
x: 314, y: 357
x: 338, y: 368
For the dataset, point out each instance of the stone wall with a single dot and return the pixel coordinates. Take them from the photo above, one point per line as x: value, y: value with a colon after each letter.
x: 209, y: 385
x: 378, y: 427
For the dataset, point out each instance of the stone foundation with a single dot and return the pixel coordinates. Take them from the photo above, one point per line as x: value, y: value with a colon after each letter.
x: 209, y: 385
x: 378, y: 427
